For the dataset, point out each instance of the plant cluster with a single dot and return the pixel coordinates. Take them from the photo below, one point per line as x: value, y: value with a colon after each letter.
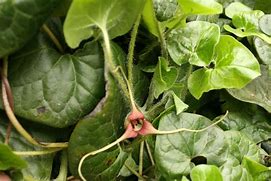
x: 135, y: 90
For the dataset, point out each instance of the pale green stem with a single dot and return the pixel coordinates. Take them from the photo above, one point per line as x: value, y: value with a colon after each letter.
x: 131, y: 50
x: 162, y: 40
x: 53, y: 37
x: 158, y: 132
x: 37, y: 153
x: 120, y: 139
x: 141, y: 155
x: 133, y: 171
x: 63, y: 171
x: 149, y: 152
x: 114, y: 70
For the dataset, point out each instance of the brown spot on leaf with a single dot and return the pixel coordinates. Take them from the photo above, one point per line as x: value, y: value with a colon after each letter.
x: 41, y: 110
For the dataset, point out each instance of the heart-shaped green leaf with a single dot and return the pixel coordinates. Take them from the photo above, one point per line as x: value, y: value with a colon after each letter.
x: 235, y: 66
x: 56, y: 89
x: 163, y: 78
x: 114, y: 16
x: 257, y: 91
x: 247, y: 24
x: 174, y: 153
x: 206, y: 173
x: 194, y: 44
x: 20, y: 21
x: 103, y: 126
x: 200, y: 7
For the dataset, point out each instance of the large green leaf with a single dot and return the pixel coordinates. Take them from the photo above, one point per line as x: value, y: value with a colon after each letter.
x: 253, y: 123
x: 20, y: 21
x: 174, y: 152
x: 194, y: 44
x: 103, y: 126
x: 234, y: 67
x: 200, y: 6
x: 8, y: 160
x: 235, y: 8
x: 206, y: 173
x: 56, y: 89
x: 257, y: 91
x: 240, y: 146
x: 165, y: 9
x: 114, y: 16
x: 38, y: 167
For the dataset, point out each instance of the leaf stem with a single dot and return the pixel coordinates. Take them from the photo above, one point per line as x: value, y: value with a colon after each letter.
x: 133, y: 171
x: 63, y: 171
x: 37, y: 153
x: 120, y: 139
x: 141, y: 155
x: 47, y: 30
x: 130, y: 56
x: 158, y: 132
x: 149, y: 152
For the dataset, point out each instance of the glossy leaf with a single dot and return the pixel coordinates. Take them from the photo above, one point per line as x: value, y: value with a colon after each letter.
x: 149, y: 18
x: 194, y: 44
x: 265, y: 24
x: 257, y: 91
x: 253, y: 123
x: 235, y: 173
x: 174, y: 152
x: 234, y: 67
x: 20, y: 21
x: 103, y: 126
x: 240, y: 145
x: 206, y: 173
x: 247, y: 24
x: 8, y: 160
x: 200, y: 6
x: 165, y: 9
x: 163, y: 78
x: 253, y: 167
x: 235, y: 8
x: 56, y: 89
x: 263, y: 50
x: 114, y: 16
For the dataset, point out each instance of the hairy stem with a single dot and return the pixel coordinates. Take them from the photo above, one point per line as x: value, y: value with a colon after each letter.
x: 162, y: 41
x: 47, y: 30
x: 125, y: 86
x: 141, y: 155
x: 130, y: 56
